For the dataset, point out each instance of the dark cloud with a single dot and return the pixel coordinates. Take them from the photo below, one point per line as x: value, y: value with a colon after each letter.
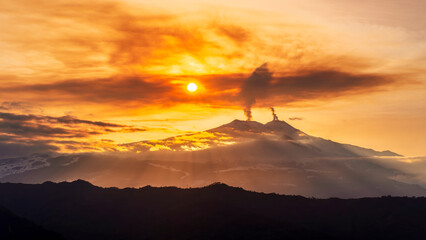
x: 72, y: 120
x: 21, y: 149
x: 230, y: 90
x: 295, y: 118
x: 326, y: 83
x: 15, y: 145
x: 40, y: 130
x: 120, y: 89
x: 237, y: 34
x: 63, y: 119
x: 65, y: 126
x: 14, y: 105
x: 37, y: 133
x: 308, y: 85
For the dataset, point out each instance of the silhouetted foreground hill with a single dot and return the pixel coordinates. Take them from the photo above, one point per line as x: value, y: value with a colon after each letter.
x: 79, y: 210
x: 13, y: 227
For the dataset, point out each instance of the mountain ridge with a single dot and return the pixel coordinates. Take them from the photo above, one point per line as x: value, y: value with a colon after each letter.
x: 80, y: 210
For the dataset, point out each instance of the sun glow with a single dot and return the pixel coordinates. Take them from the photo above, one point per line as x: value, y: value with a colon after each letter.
x: 192, y: 87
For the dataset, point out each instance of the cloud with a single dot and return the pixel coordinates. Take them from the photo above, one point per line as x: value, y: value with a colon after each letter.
x: 17, y: 106
x: 40, y: 130
x: 10, y: 105
x: 187, y: 142
x: 22, y: 134
x: 228, y: 90
x: 15, y: 146
x: 114, y: 36
x: 107, y: 90
x: 295, y: 118
x: 136, y: 56
x: 325, y: 83
x: 65, y: 126
x: 63, y: 120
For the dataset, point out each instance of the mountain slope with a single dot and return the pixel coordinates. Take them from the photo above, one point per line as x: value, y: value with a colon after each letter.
x: 79, y: 210
x: 281, y: 131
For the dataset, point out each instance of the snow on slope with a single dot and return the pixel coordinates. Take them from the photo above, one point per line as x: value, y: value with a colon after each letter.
x: 238, y: 132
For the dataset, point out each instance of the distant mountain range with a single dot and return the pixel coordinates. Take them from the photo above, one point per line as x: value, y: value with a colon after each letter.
x: 271, y: 157
x: 81, y: 211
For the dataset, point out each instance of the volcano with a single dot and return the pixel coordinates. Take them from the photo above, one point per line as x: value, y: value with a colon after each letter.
x: 271, y: 157
x: 289, y: 141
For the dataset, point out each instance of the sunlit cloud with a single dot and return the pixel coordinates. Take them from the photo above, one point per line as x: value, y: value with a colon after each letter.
x: 38, y: 134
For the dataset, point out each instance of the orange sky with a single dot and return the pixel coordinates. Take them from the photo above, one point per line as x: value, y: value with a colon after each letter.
x: 344, y: 70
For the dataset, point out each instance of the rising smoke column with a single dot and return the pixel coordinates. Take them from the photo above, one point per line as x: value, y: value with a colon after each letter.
x: 255, y: 87
x: 274, y: 114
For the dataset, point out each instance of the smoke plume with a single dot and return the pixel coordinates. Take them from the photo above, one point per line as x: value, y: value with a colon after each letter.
x: 274, y: 115
x: 255, y: 87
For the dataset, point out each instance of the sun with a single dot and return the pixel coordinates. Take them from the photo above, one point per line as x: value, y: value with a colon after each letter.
x: 192, y: 87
